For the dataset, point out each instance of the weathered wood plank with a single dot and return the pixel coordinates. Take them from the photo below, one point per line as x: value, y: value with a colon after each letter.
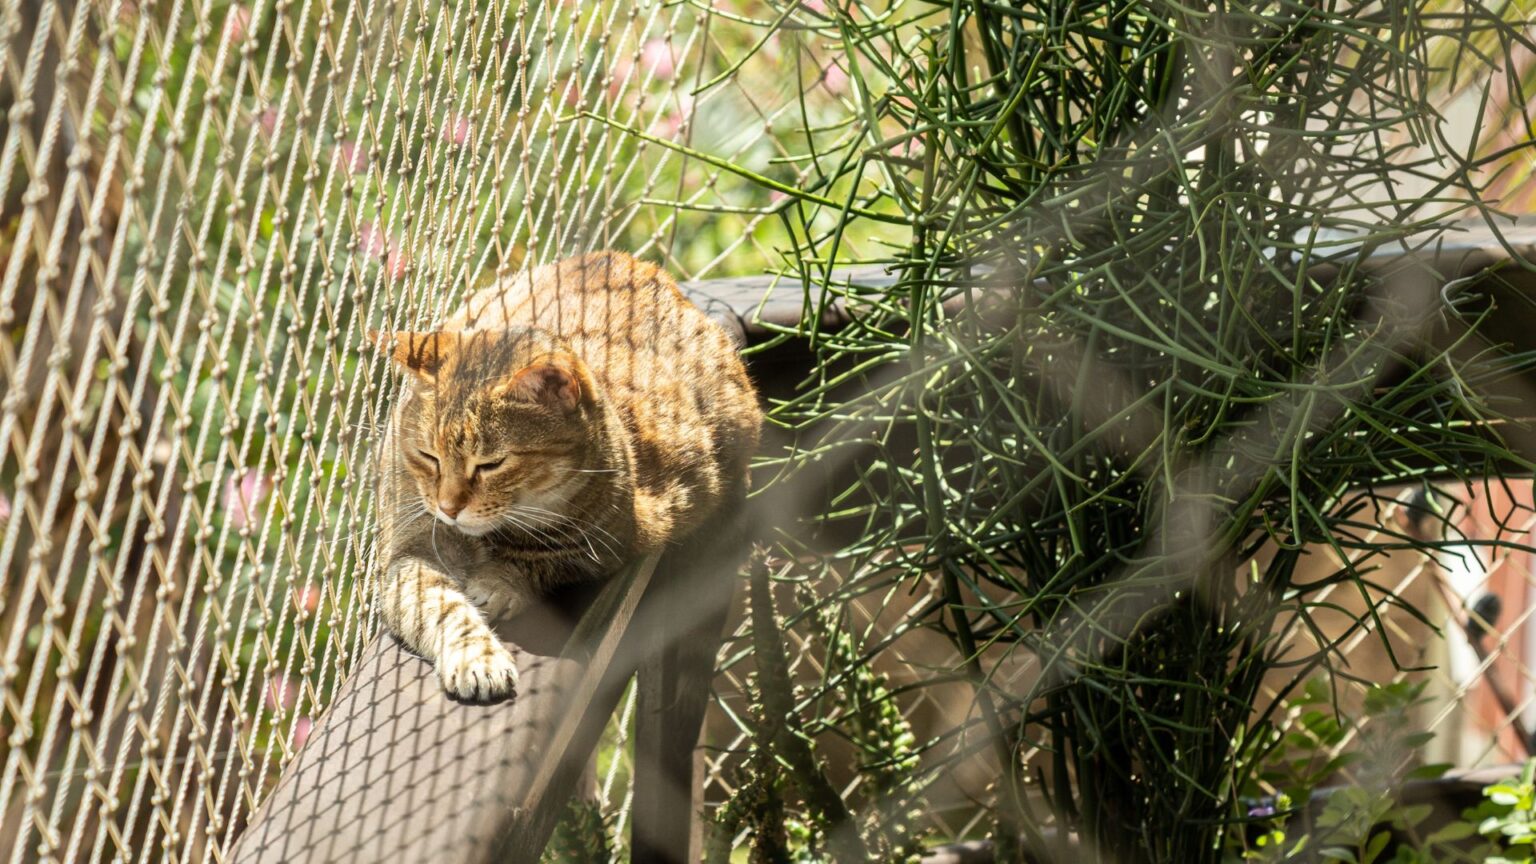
x: 541, y: 774
x: 397, y: 771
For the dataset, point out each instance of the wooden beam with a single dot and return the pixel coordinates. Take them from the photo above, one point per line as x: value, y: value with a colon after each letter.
x: 396, y: 771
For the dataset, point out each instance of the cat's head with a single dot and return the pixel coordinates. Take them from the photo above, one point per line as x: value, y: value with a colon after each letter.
x: 502, y: 429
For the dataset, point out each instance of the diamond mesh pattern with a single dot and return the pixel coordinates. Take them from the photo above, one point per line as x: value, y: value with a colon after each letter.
x: 204, y: 207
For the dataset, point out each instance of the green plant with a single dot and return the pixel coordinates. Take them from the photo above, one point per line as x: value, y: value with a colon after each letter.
x: 880, y: 822
x: 1508, y: 818
x: 1344, y: 803
x: 1136, y: 340
x: 581, y: 837
x: 1358, y: 818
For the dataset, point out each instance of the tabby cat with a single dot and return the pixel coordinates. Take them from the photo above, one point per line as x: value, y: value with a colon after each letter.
x: 559, y: 425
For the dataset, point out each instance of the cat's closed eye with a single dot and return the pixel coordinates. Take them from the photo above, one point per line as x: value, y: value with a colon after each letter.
x: 429, y: 458
x: 488, y: 467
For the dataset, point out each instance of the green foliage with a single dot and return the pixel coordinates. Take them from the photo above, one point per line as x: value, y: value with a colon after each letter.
x: 1136, y: 346
x: 1508, y: 818
x: 862, y: 707
x: 1344, y: 804
x: 581, y: 837
x: 880, y: 822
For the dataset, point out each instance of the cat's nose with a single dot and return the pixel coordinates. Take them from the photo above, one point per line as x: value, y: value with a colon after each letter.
x: 450, y: 508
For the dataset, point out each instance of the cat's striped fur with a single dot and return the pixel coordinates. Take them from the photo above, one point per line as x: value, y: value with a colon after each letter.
x: 559, y: 425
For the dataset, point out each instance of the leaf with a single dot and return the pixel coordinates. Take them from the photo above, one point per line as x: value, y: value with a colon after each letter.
x: 1503, y: 794
x: 1432, y: 771
x: 1409, y: 816
x: 1451, y: 833
x: 1374, y: 848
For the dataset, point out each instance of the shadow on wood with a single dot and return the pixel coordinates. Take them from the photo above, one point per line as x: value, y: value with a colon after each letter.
x: 396, y: 770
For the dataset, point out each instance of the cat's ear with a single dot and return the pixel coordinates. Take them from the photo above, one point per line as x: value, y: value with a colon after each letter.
x: 552, y: 380
x: 420, y: 353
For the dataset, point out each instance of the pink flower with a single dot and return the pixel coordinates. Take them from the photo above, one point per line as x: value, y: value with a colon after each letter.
x: 237, y: 22
x: 350, y: 157
x: 280, y: 692
x: 306, y: 598
x: 396, y: 263
x: 267, y: 120
x: 656, y: 59
x: 456, y: 131
x: 5, y: 508
x: 834, y: 79
x: 301, y: 729
x: 672, y: 121
x: 374, y: 243
x: 569, y: 88
x: 815, y: 5
x: 912, y: 148
x: 244, y: 491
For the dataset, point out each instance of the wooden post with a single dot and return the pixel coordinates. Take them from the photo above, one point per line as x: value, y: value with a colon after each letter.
x: 674, y: 688
x: 692, y: 600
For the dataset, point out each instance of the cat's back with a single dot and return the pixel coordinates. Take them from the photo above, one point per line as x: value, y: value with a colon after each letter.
x: 621, y: 314
x: 630, y: 323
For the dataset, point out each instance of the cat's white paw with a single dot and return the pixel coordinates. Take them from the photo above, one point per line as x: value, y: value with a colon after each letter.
x: 478, y: 671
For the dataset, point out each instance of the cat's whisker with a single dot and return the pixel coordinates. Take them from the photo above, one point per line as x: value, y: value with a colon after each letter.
x: 535, y: 512
x: 435, y: 550
x: 532, y: 529
x: 576, y: 520
x: 579, y: 524
x: 535, y: 528
x: 540, y: 537
x: 611, y: 543
x: 521, y: 525
x: 585, y: 526
x: 543, y: 517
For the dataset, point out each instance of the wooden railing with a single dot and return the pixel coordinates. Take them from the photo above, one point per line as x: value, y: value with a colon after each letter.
x: 395, y: 770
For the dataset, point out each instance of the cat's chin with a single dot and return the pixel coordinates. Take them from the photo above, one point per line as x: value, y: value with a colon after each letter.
x: 472, y: 529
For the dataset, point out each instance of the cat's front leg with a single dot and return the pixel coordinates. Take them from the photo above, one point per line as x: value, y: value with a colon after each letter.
x: 500, y: 590
x: 427, y: 610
